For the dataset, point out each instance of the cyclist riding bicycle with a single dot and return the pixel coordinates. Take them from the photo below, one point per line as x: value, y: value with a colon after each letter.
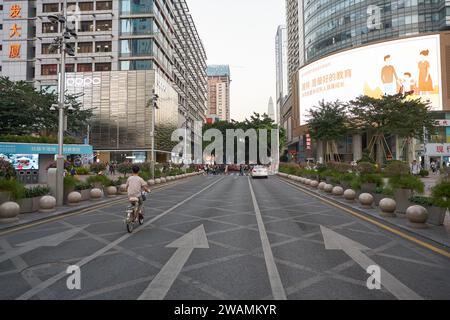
x: 135, y: 184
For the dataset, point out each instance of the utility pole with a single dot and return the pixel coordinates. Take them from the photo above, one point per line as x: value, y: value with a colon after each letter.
x: 154, y: 106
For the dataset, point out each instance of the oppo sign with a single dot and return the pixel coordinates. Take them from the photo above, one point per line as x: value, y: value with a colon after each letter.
x: 85, y: 82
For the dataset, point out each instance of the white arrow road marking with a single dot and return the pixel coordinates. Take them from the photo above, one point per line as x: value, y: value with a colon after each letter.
x: 47, y: 283
x: 49, y: 241
x: 278, y: 291
x: 164, y: 280
x: 335, y: 241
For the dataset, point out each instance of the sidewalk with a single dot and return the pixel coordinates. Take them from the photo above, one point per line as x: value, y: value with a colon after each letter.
x: 437, y: 234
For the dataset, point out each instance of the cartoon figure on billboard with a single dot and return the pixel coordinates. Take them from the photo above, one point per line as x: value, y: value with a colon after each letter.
x: 408, y: 84
x: 425, y: 81
x: 389, y: 77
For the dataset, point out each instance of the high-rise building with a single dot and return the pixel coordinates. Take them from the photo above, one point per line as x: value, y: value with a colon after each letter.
x: 271, y: 109
x: 281, y: 68
x: 219, y: 80
x: 121, y: 46
x: 342, y: 49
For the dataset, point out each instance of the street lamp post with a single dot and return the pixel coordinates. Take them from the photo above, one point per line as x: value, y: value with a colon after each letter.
x: 154, y: 106
x: 60, y: 43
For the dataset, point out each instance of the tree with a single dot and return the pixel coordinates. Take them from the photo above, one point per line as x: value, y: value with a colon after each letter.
x: 25, y: 110
x: 328, y: 123
x: 390, y: 115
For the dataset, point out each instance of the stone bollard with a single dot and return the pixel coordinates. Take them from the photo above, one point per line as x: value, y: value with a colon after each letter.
x: 337, y: 191
x: 96, y: 194
x: 123, y: 189
x: 74, y: 198
x: 111, y: 192
x: 387, y: 208
x: 163, y: 180
x: 366, y: 200
x: 314, y: 184
x: 47, y: 204
x: 151, y: 182
x: 328, y: 188
x: 349, y: 195
x: 9, y: 212
x: 417, y: 216
x: 157, y: 181
x: 322, y: 186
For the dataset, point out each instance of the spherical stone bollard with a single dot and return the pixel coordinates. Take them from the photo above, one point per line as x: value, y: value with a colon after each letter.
x: 47, y: 204
x: 322, y: 185
x: 314, y: 184
x: 417, y: 216
x: 74, y: 198
x: 328, y: 188
x: 151, y: 182
x: 123, y: 189
x: 9, y: 212
x: 298, y: 179
x: 337, y: 191
x: 349, y: 195
x: 111, y: 191
x: 387, y: 208
x: 366, y: 200
x: 301, y: 180
x: 96, y: 194
x: 157, y: 181
x: 163, y: 180
x: 290, y: 177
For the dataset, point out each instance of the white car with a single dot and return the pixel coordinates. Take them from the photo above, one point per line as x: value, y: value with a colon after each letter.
x: 260, y: 172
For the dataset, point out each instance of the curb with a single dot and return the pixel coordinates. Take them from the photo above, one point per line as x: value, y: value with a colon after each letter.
x: 378, y: 219
x: 83, y: 208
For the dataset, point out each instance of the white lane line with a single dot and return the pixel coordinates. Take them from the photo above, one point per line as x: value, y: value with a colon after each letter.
x: 278, y: 291
x: 44, y: 285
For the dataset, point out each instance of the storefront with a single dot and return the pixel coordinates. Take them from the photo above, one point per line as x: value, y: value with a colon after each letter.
x: 32, y: 159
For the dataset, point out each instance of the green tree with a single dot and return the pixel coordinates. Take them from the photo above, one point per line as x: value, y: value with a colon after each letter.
x: 25, y: 110
x: 328, y: 123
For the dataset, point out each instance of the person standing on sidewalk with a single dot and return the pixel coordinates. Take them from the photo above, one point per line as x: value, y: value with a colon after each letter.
x: 415, y: 168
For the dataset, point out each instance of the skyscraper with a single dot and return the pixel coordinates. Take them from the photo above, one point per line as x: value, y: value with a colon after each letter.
x: 281, y: 68
x: 271, y: 110
x: 219, y: 92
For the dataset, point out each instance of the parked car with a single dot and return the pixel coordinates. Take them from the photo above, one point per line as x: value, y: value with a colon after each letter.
x: 260, y: 172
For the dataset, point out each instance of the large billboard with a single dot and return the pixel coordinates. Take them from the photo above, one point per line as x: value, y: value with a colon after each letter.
x: 408, y: 65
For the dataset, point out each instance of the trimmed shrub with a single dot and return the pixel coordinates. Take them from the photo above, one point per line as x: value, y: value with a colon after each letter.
x: 16, y: 189
x: 396, y: 168
x: 407, y: 182
x: 104, y: 181
x: 97, y: 167
x: 38, y: 191
x: 7, y: 170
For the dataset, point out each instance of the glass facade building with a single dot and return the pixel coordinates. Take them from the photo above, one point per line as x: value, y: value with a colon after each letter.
x: 332, y: 25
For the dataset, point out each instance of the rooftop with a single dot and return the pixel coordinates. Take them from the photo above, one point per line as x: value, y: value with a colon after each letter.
x: 218, y: 70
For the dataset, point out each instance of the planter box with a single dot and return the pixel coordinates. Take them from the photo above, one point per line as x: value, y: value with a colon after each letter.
x: 402, y: 196
x: 436, y: 215
x: 377, y: 198
x: 345, y: 185
x: 85, y: 195
x: 36, y: 203
x: 26, y: 205
x: 5, y: 196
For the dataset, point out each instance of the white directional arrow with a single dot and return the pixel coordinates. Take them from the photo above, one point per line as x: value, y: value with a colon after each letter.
x: 160, y: 285
x: 49, y: 241
x: 335, y: 241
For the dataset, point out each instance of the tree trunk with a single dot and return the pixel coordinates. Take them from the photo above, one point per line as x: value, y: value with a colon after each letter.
x: 380, y: 147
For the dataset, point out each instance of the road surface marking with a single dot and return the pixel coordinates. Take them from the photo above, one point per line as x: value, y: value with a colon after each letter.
x: 44, y: 285
x: 161, y: 284
x: 335, y: 241
x: 49, y: 241
x: 274, y: 276
x: 375, y: 222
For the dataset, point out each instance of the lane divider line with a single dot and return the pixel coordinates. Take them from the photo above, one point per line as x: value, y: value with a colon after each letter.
x: 45, y: 284
x: 373, y: 221
x: 278, y: 291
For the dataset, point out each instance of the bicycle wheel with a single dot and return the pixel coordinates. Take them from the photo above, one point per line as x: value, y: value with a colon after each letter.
x: 141, y: 217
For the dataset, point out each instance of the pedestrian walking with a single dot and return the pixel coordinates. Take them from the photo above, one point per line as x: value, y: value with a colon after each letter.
x: 415, y: 168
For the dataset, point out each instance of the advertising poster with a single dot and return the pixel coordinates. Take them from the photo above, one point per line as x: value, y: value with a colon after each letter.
x: 400, y: 66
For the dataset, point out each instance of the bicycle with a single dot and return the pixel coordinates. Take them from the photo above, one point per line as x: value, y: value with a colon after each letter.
x: 133, y: 216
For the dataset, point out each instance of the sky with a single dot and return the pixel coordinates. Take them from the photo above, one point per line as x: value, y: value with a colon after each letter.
x: 241, y: 33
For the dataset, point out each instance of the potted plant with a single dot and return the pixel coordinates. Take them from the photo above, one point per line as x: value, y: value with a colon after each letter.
x: 84, y: 188
x: 99, y: 181
x: 10, y: 189
x: 441, y: 202
x: 404, y: 186
x: 7, y: 173
x: 346, y: 180
x: 30, y: 201
x: 368, y: 177
x: 70, y: 183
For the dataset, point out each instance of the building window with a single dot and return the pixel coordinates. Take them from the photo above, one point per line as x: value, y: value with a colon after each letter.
x: 86, y: 6
x: 136, y: 65
x: 70, y: 67
x: 46, y: 49
x: 49, y: 69
x: 49, y: 88
x: 135, y: 6
x: 50, y: 7
x: 104, y: 5
x: 103, y: 67
x: 84, y: 67
x: 84, y: 47
x: 48, y: 27
x: 136, y: 26
x: 104, y: 46
x: 86, y: 26
x: 136, y: 47
x: 104, y: 25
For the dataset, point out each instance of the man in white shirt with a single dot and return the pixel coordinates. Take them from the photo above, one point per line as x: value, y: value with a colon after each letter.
x: 135, y: 184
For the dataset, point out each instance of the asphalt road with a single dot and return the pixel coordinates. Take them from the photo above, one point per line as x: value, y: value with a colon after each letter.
x: 219, y: 238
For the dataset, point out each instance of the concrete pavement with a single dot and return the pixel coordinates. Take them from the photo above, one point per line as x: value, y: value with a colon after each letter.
x: 264, y: 240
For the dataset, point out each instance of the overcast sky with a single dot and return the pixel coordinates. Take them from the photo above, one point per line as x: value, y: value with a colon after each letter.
x: 241, y: 33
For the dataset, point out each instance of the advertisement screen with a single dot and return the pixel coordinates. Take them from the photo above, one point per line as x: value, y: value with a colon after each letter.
x: 22, y: 161
x: 400, y: 66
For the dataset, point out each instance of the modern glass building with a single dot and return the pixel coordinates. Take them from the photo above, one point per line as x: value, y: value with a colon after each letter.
x: 332, y: 25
